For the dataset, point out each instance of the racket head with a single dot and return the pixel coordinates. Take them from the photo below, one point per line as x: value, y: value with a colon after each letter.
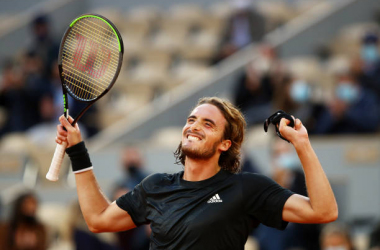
x: 90, y: 57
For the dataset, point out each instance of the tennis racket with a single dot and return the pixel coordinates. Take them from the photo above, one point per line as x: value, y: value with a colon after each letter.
x: 89, y: 62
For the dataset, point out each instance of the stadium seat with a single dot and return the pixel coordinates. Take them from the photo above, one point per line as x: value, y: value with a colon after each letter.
x: 220, y: 10
x: 187, y: 12
x: 185, y: 70
x: 113, y: 14
x: 348, y: 39
x: 275, y: 13
x: 306, y: 68
x: 167, y: 137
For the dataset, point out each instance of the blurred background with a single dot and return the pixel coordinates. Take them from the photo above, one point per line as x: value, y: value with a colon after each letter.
x: 318, y: 60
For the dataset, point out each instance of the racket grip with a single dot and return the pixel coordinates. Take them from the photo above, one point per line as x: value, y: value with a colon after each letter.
x: 56, y: 162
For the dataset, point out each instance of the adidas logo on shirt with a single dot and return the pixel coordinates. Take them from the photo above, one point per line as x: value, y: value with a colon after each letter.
x: 215, y: 199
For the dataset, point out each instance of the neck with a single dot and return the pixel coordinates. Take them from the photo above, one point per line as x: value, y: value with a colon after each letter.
x: 199, y: 170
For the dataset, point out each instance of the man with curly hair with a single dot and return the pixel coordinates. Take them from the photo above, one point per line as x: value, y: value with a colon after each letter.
x: 209, y: 205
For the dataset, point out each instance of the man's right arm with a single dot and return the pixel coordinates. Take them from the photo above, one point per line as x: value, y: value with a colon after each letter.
x: 99, y: 213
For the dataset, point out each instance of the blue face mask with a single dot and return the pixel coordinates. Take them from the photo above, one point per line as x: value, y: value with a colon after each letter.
x: 300, y: 91
x: 288, y: 161
x: 346, y: 92
x: 370, y: 53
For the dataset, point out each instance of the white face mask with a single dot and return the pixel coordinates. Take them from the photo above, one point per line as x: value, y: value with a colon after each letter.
x: 336, y: 248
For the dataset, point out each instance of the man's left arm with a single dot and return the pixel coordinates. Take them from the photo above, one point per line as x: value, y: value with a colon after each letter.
x: 320, y: 206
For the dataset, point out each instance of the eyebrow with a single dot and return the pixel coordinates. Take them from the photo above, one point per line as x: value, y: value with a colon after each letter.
x: 206, y: 119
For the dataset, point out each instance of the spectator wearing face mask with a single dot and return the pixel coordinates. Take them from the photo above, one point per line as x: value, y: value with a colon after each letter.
x: 354, y: 109
x: 336, y: 236
x: 296, y: 96
x: 23, y: 231
x: 133, y: 167
x: 368, y: 67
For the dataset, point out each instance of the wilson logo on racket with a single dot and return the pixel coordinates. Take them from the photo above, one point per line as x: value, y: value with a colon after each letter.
x: 96, y: 52
x: 89, y: 61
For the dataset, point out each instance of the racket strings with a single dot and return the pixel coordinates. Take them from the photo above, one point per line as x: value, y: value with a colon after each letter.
x: 90, y: 58
x: 101, y: 30
x: 89, y: 61
x: 112, y: 61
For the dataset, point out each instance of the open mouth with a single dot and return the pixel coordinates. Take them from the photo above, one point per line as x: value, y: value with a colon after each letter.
x: 193, y: 138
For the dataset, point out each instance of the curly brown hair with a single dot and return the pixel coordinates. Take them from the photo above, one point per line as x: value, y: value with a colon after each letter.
x: 234, y: 130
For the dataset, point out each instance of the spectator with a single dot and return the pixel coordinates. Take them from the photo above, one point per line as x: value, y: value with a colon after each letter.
x: 353, y: 109
x: 368, y: 68
x: 22, y: 90
x: 287, y: 172
x: 245, y: 26
x: 295, y: 96
x: 133, y: 168
x: 12, y: 97
x: 37, y: 88
x: 42, y: 43
x: 23, y: 231
x: 336, y: 236
x: 253, y: 95
x: 262, y: 86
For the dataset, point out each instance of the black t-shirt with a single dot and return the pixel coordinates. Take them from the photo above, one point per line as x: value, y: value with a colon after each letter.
x: 217, y: 213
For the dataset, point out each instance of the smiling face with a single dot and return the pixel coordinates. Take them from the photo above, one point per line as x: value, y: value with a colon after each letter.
x: 215, y: 128
x: 202, y: 136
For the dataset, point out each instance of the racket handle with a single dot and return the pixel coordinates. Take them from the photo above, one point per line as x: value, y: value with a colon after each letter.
x: 56, y: 162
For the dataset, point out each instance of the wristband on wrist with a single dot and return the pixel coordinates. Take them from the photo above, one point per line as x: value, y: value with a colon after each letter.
x: 80, y: 159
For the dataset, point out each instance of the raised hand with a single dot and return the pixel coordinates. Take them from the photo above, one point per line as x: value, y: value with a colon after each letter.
x: 71, y: 135
x: 296, y: 134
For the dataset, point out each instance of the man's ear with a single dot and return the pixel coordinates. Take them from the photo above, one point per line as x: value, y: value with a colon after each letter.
x: 225, y: 145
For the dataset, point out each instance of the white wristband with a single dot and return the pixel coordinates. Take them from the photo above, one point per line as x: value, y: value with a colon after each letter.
x: 83, y: 170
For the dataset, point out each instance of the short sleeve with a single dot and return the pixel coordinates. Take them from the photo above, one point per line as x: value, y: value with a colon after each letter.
x: 134, y: 202
x: 265, y: 199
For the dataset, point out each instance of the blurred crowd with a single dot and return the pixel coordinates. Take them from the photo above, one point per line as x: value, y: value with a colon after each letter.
x: 163, y: 48
x: 30, y: 87
x: 349, y: 104
x: 333, y: 92
x: 325, y: 90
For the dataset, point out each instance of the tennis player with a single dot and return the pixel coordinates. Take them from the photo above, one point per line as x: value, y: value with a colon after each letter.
x: 209, y: 205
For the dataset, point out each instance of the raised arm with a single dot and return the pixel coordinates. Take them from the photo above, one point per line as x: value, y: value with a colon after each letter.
x: 321, y: 206
x: 99, y: 213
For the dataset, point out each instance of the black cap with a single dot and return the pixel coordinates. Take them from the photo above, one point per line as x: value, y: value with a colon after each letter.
x: 40, y: 19
x: 370, y: 38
